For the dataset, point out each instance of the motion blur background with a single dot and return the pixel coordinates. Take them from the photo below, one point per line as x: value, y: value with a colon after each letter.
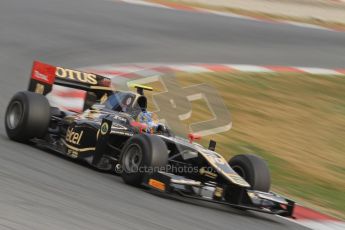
x: 294, y: 120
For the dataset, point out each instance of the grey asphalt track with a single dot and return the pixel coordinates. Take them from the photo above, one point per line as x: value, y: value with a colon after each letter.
x: 40, y: 190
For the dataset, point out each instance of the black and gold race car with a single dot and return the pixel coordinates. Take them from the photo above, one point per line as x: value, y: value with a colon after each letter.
x: 108, y: 136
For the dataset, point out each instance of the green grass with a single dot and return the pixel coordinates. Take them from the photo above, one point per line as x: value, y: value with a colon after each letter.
x: 294, y: 121
x: 291, y: 181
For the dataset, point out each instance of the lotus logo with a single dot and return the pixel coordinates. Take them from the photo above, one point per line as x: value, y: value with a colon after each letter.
x: 104, y: 128
x: 75, y: 75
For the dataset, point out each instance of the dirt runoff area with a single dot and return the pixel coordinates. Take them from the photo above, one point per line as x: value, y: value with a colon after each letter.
x: 323, y: 10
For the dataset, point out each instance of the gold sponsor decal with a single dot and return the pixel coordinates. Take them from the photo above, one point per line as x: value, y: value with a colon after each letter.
x: 72, y: 153
x: 251, y: 195
x: 237, y: 179
x: 218, y: 192
x: 222, y: 167
x: 73, y: 137
x: 214, y: 158
x: 39, y: 88
x: 204, y: 172
x: 75, y: 75
x: 72, y: 148
x: 104, y: 98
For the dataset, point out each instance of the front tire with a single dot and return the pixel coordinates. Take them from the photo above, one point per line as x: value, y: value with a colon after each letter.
x: 140, y: 153
x: 27, y: 116
x: 253, y: 169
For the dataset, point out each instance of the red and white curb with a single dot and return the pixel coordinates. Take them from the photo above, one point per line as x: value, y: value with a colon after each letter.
x: 72, y: 99
x: 339, y: 1
x: 179, y: 6
x: 67, y: 98
x: 315, y: 220
x: 149, y: 69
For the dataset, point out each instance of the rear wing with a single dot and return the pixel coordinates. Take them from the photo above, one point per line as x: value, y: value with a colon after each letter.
x: 44, y: 76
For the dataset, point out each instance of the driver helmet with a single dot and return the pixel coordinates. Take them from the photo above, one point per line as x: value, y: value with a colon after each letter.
x: 150, y: 119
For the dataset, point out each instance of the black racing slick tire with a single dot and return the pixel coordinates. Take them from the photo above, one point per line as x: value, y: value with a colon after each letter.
x: 27, y: 116
x: 141, y: 155
x: 253, y: 169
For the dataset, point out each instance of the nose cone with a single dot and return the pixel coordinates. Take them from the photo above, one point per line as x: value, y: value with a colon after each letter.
x: 223, y: 168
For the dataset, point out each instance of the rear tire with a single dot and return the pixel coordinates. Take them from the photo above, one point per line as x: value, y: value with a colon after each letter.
x: 142, y: 152
x: 27, y: 116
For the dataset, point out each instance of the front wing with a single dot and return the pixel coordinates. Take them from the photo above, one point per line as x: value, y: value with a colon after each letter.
x: 174, y: 185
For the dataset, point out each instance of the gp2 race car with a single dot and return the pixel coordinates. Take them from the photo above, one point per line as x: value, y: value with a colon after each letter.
x: 108, y: 136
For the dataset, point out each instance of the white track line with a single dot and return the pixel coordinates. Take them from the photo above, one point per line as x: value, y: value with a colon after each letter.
x: 144, y: 3
x: 250, y: 68
x: 228, y: 14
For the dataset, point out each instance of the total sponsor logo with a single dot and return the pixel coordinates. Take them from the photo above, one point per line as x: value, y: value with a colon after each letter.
x: 40, y: 76
x: 43, y: 73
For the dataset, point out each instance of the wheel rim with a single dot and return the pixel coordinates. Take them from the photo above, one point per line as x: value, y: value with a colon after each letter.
x: 132, y: 159
x: 15, y: 114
